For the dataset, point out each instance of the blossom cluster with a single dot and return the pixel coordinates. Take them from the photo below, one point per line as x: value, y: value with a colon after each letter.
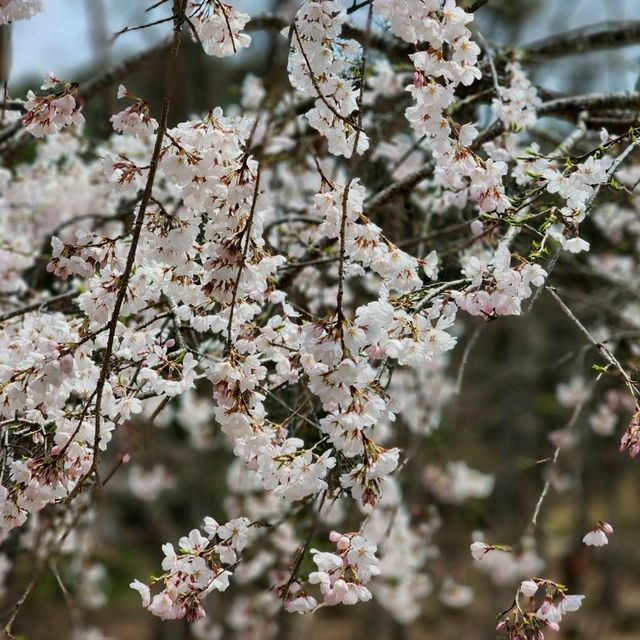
x: 631, y: 438
x: 576, y: 186
x: 198, y: 568
x: 321, y: 65
x: 531, y: 624
x: 515, y: 106
x: 219, y: 26
x: 134, y: 120
x: 47, y: 114
x: 436, y: 76
x: 497, y: 289
x: 12, y: 10
x: 342, y: 576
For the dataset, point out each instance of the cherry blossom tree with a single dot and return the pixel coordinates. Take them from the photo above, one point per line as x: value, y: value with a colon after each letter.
x: 242, y: 274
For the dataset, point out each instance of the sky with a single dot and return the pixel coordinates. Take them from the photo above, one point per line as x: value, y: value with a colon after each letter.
x: 59, y: 40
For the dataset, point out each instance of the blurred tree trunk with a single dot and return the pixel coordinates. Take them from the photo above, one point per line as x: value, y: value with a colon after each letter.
x: 5, y: 64
x: 99, y: 34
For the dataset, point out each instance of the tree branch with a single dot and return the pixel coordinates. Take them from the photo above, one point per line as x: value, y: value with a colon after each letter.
x: 595, y: 37
x: 179, y: 6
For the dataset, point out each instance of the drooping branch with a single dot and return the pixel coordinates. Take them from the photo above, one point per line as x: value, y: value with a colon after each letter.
x: 179, y: 8
x: 40, y: 304
x: 116, y: 73
x: 595, y: 37
x: 592, y: 102
x: 604, y: 351
x: 477, y: 4
x: 96, y: 84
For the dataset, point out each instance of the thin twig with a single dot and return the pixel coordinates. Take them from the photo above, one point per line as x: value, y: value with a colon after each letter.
x: 173, y: 310
x: 533, y: 523
x: 179, y: 6
x: 604, y: 351
x: 492, y: 65
x: 316, y: 86
x: 41, y: 304
x: 465, y: 358
x: 226, y: 19
x: 18, y: 605
x: 141, y: 26
x: 247, y: 240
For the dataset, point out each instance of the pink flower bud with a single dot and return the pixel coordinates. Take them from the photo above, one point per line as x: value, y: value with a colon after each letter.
x: 66, y: 364
x: 418, y: 78
x: 479, y: 549
x: 195, y: 612
x: 340, y: 587
x: 605, y: 526
x: 343, y: 543
x: 528, y: 588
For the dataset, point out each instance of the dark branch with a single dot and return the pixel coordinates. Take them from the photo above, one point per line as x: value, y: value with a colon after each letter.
x: 595, y: 37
